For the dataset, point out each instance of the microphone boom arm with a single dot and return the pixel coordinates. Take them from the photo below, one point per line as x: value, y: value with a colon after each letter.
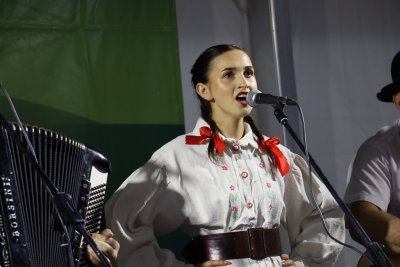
x: 379, y: 257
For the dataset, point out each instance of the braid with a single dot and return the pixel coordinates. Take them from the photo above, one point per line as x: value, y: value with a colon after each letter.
x: 253, y: 127
x: 260, y: 136
x: 205, y: 108
x: 200, y: 74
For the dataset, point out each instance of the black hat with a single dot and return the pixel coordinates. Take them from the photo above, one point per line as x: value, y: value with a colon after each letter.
x: 387, y: 92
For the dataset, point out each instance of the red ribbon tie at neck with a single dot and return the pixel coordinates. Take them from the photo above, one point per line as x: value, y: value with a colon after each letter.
x: 205, y: 134
x: 280, y: 159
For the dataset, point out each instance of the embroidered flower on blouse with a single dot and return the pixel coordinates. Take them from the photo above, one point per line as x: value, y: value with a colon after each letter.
x: 271, y: 195
x: 225, y: 168
x: 269, y: 185
x: 232, y: 187
x: 234, y: 213
x: 232, y: 197
x: 262, y: 165
x: 270, y: 208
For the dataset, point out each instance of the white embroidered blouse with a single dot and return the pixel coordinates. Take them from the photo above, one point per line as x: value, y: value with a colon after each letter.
x: 181, y: 188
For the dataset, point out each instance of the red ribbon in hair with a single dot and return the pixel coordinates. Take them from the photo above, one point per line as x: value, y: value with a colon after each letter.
x: 205, y: 134
x: 280, y: 159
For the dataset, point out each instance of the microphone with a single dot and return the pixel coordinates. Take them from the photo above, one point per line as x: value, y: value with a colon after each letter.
x: 255, y: 97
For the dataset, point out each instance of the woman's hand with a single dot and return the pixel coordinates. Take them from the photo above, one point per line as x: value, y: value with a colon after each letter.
x: 106, y: 244
x: 214, y: 263
x: 286, y: 261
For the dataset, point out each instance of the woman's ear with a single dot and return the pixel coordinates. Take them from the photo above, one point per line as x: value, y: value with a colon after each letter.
x: 204, y: 91
x: 396, y: 100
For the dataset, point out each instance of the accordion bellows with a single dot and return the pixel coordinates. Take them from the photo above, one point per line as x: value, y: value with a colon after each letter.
x: 30, y: 230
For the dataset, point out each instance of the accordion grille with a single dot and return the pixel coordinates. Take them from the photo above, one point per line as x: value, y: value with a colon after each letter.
x: 65, y: 161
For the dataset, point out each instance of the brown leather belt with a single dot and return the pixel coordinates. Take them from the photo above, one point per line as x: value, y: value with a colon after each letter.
x: 255, y: 243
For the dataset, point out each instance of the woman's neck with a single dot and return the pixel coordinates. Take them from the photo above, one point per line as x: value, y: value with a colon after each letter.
x: 233, y: 128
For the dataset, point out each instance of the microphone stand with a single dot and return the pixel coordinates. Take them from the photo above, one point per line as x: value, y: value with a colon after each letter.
x: 61, y: 200
x: 379, y: 257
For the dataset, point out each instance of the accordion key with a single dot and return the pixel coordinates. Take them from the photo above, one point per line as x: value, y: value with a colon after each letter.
x: 31, y: 233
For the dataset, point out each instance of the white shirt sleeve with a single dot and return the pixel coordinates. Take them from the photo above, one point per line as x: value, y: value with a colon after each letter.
x: 311, y: 246
x: 140, y: 209
x: 370, y: 178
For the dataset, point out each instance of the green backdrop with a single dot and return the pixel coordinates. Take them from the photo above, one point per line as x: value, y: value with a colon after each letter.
x: 105, y: 73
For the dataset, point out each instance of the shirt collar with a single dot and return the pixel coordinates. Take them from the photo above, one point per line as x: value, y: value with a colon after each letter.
x: 249, y: 139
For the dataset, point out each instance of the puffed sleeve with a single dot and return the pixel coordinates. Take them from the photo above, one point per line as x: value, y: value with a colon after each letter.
x: 143, y: 207
x: 310, y: 244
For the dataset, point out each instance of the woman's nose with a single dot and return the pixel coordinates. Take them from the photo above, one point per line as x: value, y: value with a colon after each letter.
x: 244, y: 82
x: 244, y: 87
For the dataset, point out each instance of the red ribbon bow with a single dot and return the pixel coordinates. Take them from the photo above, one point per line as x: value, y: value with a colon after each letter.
x: 205, y: 134
x: 280, y: 159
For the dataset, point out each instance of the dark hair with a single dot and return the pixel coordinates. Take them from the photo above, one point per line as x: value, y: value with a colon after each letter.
x: 200, y: 73
x: 201, y: 66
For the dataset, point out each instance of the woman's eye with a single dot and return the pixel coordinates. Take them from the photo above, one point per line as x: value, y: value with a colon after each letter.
x: 228, y: 74
x: 249, y: 73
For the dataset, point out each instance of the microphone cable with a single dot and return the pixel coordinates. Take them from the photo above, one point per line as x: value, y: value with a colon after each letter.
x: 313, y: 198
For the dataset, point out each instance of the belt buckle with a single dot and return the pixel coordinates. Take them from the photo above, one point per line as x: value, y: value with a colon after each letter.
x: 256, y: 243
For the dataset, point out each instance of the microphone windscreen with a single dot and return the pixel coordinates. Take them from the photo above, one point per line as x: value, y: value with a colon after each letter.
x: 251, y: 97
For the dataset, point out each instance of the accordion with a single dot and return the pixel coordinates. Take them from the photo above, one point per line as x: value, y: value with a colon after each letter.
x: 31, y: 233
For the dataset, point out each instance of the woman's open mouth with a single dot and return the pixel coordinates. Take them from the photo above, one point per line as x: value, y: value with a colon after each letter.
x: 241, y: 98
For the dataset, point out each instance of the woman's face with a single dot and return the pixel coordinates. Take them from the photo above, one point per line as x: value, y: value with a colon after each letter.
x: 231, y: 76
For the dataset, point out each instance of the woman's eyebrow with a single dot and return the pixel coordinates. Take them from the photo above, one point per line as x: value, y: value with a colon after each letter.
x: 229, y: 68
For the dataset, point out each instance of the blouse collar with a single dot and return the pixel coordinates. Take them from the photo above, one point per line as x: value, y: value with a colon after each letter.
x: 249, y: 138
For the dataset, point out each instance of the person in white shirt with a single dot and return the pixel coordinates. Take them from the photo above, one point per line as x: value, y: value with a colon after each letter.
x: 226, y: 185
x: 373, y: 192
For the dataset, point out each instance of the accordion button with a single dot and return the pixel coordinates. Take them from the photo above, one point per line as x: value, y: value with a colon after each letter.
x: 83, y: 199
x: 85, y: 186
